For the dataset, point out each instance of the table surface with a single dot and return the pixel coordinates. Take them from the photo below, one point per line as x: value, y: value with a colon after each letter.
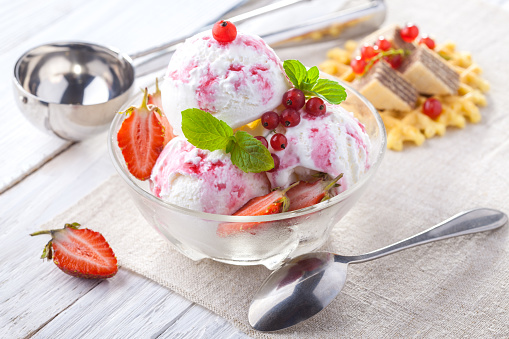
x: 42, y: 176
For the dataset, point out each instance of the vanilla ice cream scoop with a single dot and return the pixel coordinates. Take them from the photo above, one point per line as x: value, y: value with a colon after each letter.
x: 333, y: 143
x: 236, y: 81
x: 202, y: 180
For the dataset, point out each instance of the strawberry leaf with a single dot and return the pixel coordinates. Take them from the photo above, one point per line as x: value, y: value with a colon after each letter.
x: 205, y: 131
x: 250, y: 155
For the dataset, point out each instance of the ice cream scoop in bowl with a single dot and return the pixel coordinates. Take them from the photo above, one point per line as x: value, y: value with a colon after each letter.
x: 276, y: 237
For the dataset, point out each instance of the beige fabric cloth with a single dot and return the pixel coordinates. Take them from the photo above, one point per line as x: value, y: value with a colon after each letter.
x: 454, y: 288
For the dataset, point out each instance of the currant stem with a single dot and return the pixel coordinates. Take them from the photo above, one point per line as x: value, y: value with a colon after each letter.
x: 379, y: 56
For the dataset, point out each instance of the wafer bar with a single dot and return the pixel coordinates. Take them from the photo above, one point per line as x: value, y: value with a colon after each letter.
x: 429, y: 74
x: 386, y: 89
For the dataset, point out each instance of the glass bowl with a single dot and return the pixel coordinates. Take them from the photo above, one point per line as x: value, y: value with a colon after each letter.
x: 277, y: 237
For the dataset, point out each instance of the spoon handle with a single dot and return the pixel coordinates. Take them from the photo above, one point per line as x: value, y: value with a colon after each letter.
x: 477, y: 220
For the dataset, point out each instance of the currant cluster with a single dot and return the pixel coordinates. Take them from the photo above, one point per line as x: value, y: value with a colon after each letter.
x: 383, y: 49
x: 293, y: 100
x: 410, y: 32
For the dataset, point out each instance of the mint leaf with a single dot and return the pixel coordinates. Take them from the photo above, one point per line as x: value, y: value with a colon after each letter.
x: 329, y: 90
x: 312, y: 75
x: 230, y: 144
x: 205, y: 131
x: 295, y: 71
x: 308, y: 81
x: 250, y: 155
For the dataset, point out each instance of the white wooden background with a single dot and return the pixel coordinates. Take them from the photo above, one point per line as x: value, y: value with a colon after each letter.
x: 41, y: 176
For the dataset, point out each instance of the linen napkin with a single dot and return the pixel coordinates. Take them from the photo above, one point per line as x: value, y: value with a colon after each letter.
x: 453, y: 288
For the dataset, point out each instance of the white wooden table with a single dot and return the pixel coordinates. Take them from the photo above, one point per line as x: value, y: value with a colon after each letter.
x: 41, y: 176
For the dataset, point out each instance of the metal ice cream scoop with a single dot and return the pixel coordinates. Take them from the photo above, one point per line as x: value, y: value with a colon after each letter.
x: 73, y: 89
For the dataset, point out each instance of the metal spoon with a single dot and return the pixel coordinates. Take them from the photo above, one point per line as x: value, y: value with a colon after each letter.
x: 73, y: 89
x: 308, y: 283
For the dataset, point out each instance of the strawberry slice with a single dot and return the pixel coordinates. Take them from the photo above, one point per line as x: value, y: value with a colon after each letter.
x: 308, y: 194
x: 81, y: 253
x: 272, y: 203
x: 142, y: 137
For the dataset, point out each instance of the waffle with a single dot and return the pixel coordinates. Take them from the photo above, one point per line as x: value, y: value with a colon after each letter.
x: 413, y: 126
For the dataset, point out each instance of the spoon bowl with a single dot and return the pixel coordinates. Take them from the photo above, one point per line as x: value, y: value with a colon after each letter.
x: 307, y: 284
x: 297, y: 291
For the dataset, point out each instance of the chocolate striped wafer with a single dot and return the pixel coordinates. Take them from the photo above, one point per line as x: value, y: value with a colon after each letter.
x: 385, y: 88
x: 428, y: 73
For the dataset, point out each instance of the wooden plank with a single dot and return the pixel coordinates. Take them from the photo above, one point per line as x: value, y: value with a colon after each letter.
x: 125, y: 306
x: 199, y: 322
x: 23, y: 19
x: 37, y: 298
x: 33, y: 292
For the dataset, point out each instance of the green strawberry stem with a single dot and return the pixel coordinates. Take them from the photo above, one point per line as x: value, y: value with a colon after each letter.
x: 333, y: 182
x: 330, y: 185
x: 47, y: 253
x: 74, y: 225
x: 157, y: 86
x: 284, y: 199
x: 144, y: 100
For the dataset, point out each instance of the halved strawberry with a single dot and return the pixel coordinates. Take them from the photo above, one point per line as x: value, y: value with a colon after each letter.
x: 80, y: 252
x: 142, y: 137
x: 307, y: 194
x: 272, y: 203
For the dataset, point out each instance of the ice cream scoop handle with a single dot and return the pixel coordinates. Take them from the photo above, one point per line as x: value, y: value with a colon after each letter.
x: 473, y: 221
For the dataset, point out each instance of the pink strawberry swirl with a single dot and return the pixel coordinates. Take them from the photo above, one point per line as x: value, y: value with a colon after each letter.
x: 333, y: 143
x: 215, y: 185
x: 235, y: 81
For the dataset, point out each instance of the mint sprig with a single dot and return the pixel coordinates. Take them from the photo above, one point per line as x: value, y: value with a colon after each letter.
x: 205, y: 131
x: 308, y: 82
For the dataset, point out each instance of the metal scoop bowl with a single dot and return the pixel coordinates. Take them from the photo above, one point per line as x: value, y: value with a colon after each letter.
x: 72, y: 89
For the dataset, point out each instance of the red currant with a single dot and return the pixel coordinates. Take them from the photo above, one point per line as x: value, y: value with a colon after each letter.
x: 432, y: 108
x: 224, y: 31
x: 383, y: 44
x: 278, y: 142
x: 276, y: 162
x: 394, y: 60
x: 289, y: 117
x: 294, y: 98
x: 409, y: 32
x: 315, y: 106
x: 426, y: 40
x: 270, y: 120
x: 263, y: 141
x: 367, y: 52
x: 358, y: 65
